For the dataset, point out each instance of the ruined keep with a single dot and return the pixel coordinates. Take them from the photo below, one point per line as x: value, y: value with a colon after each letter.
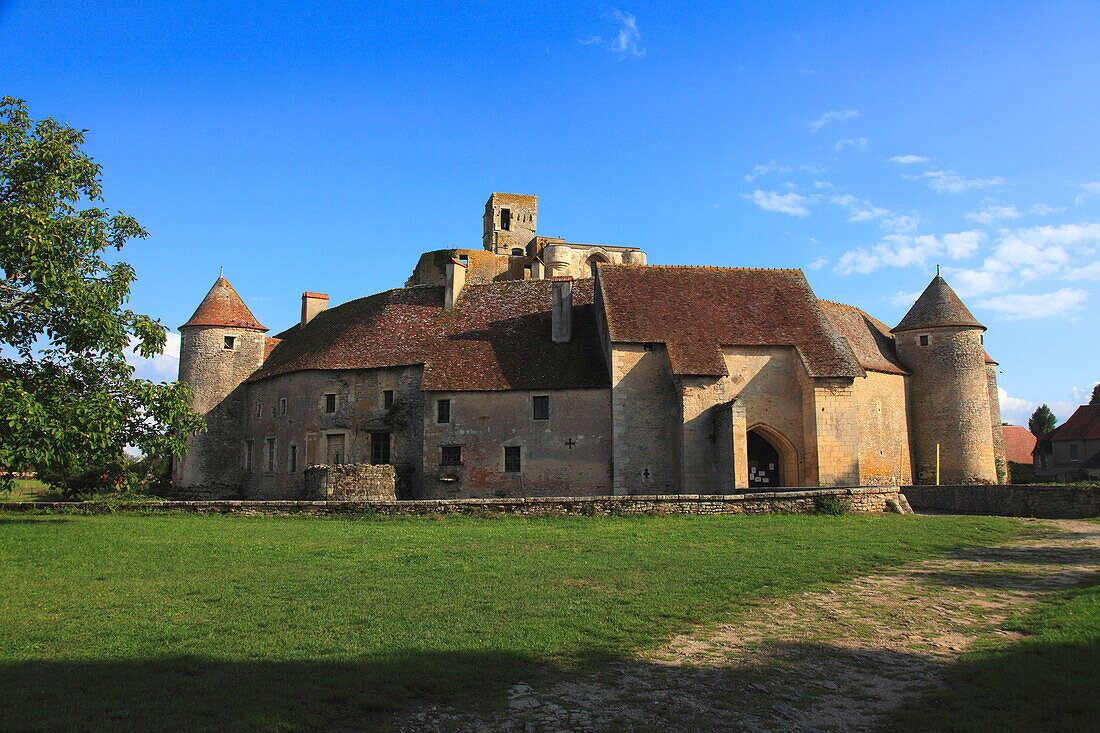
x: 539, y: 367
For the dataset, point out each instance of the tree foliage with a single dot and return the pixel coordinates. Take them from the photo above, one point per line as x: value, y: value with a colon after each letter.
x: 1095, y: 394
x: 68, y: 399
x: 1042, y: 421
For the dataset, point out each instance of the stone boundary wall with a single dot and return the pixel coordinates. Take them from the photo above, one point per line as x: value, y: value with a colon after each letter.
x: 1047, y: 501
x: 350, y: 481
x: 859, y: 500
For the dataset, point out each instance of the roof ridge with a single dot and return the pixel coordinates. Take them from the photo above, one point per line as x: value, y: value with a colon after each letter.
x: 703, y: 267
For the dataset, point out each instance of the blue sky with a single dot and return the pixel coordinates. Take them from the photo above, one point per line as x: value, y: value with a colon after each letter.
x: 309, y: 147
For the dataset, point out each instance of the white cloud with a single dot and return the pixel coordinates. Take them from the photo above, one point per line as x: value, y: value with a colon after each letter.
x: 1018, y: 307
x: 626, y: 40
x: 858, y: 209
x: 1088, y: 272
x: 784, y: 203
x: 1043, y: 209
x: 832, y: 116
x: 993, y: 213
x: 952, y: 182
x: 766, y: 168
x: 859, y: 143
x: 904, y: 250
x: 817, y: 263
x: 901, y: 223
x: 590, y: 40
x: 1090, y: 189
x: 163, y: 366
x: 904, y: 299
x: 1014, y: 409
x: 907, y: 159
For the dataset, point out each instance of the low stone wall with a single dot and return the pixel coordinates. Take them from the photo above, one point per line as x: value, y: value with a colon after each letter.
x: 1048, y: 501
x: 860, y: 500
x: 350, y: 482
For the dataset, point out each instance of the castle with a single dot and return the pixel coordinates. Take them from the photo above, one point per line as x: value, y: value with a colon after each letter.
x: 536, y: 366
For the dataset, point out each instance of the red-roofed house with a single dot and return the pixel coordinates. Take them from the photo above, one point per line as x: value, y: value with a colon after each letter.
x: 536, y: 366
x: 1071, y: 452
x: 1019, y: 442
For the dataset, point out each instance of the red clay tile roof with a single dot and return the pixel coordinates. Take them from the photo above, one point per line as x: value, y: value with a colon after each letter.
x: 937, y: 306
x: 1019, y: 442
x: 497, y: 337
x: 869, y: 338
x: 269, y: 344
x: 696, y: 311
x: 223, y: 307
x: 1083, y: 424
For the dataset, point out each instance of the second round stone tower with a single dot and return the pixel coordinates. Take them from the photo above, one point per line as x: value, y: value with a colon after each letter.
x: 940, y: 343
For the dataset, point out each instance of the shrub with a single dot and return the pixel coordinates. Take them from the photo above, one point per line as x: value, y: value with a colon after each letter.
x: 835, y: 505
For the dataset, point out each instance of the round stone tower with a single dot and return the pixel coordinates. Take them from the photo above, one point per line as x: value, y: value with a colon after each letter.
x: 940, y: 343
x: 220, y: 347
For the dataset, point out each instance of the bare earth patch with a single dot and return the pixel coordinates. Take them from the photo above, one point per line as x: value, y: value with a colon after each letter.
x: 836, y: 660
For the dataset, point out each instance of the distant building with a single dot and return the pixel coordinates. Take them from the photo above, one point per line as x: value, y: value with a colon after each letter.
x: 1019, y: 442
x: 1071, y: 452
x: 536, y: 366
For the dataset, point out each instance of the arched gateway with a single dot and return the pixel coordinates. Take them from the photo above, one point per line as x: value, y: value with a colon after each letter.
x: 773, y: 461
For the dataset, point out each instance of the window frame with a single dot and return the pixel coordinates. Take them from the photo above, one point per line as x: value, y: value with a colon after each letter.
x: 260, y: 410
x: 271, y: 454
x: 924, y: 339
x: 376, y: 446
x: 1074, y: 453
x: 292, y: 458
x: 387, y: 399
x: 456, y: 456
x: 536, y: 413
x: 249, y: 456
x: 335, y: 403
x: 229, y: 343
x: 505, y: 220
x: 282, y: 406
x: 443, y: 410
x: 513, y: 459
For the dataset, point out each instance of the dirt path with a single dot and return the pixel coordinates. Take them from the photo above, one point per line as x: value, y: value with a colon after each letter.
x: 834, y: 660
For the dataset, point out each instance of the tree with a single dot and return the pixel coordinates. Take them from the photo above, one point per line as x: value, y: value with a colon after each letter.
x: 68, y: 399
x: 1042, y: 421
x: 1095, y: 394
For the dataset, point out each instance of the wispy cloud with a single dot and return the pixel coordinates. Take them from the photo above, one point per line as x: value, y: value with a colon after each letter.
x: 859, y: 143
x: 1019, y: 307
x: 783, y: 203
x: 993, y: 213
x: 907, y: 159
x: 817, y: 263
x: 951, y: 182
x: 625, y: 39
x: 905, y: 250
x: 765, y: 169
x: 1044, y: 210
x: 1088, y: 189
x: 833, y: 116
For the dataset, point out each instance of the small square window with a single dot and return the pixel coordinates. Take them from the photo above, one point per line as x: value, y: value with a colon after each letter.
x: 505, y: 219
x: 443, y: 411
x: 924, y: 340
x: 541, y: 405
x: 511, y: 459
x: 330, y: 403
x: 450, y: 455
x: 282, y: 407
x: 230, y: 341
x: 387, y: 398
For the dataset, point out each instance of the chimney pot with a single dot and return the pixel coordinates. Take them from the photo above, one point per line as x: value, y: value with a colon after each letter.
x: 561, y: 309
x: 312, y: 304
x: 456, y: 281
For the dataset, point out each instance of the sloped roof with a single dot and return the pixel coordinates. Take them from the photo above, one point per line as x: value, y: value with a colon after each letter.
x: 937, y: 306
x: 497, y: 337
x: 223, y: 307
x: 1019, y: 442
x: 869, y: 338
x: 1083, y: 424
x: 696, y: 311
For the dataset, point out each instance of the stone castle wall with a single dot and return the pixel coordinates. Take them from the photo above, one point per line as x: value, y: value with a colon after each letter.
x: 350, y: 481
x: 1048, y: 501
x: 883, y: 425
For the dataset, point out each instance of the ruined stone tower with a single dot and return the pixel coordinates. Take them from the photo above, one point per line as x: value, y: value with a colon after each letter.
x: 510, y: 220
x: 940, y: 343
x: 220, y: 346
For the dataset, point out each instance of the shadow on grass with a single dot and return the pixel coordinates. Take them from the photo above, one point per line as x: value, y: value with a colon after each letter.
x: 36, y: 519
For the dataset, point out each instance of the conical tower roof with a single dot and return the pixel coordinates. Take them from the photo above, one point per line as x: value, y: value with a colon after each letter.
x: 223, y: 307
x: 937, y: 306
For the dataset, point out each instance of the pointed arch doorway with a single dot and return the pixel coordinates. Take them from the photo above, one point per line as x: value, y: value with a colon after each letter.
x: 772, y: 460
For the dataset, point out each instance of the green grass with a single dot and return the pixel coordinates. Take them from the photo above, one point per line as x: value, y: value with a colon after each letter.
x: 1047, y: 681
x: 30, y: 490
x: 209, y: 622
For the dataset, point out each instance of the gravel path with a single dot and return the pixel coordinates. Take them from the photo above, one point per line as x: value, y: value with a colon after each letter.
x: 836, y: 660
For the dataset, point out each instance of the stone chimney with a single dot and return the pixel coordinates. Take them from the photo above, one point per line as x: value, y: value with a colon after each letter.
x: 312, y: 304
x: 561, y: 309
x: 456, y: 281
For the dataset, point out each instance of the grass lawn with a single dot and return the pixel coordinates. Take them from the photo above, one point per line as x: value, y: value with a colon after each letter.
x: 30, y: 490
x: 211, y: 622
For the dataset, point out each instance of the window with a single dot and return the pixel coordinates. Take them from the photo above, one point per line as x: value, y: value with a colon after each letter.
x: 379, y: 448
x: 330, y: 403
x: 443, y: 411
x: 269, y: 453
x: 506, y: 219
x: 649, y: 346
x: 292, y: 459
x: 230, y: 341
x: 541, y: 406
x: 511, y: 459
x: 259, y: 410
x: 387, y: 398
x: 924, y: 340
x: 249, y: 452
x: 1073, y: 455
x: 517, y: 252
x: 282, y: 407
x: 450, y: 455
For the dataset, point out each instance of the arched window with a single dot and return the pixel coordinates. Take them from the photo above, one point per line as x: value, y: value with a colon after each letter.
x: 592, y: 263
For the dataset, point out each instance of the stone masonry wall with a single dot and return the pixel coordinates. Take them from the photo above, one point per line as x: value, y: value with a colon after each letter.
x: 1013, y: 500
x: 350, y: 481
x: 883, y: 426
